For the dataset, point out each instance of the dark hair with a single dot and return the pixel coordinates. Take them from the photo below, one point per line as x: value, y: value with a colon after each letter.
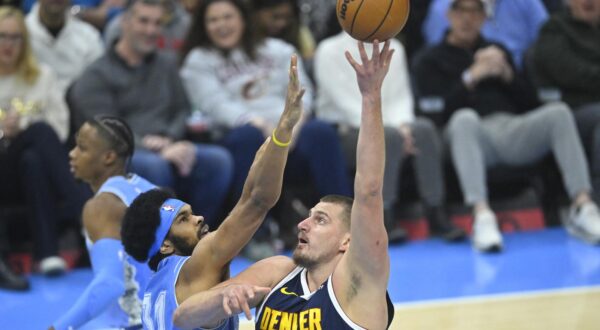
x: 129, y: 3
x: 291, y: 33
x: 343, y: 201
x: 116, y: 133
x: 140, y: 222
x: 198, y: 37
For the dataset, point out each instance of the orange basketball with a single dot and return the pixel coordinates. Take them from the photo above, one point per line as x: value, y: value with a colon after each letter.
x: 368, y: 20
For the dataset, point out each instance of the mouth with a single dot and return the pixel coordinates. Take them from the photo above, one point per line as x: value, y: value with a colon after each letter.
x: 204, y: 230
x: 302, y: 241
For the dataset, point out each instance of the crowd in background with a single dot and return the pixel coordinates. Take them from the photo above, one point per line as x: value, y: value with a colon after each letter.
x: 473, y: 85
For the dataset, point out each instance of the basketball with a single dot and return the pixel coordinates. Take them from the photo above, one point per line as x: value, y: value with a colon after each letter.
x: 368, y: 20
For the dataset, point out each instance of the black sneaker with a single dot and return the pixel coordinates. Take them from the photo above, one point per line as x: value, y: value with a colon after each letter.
x: 10, y: 280
x: 441, y: 226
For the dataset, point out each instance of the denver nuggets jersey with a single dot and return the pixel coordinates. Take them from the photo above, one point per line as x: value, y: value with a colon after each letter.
x: 127, y: 310
x: 291, y: 305
x: 160, y: 300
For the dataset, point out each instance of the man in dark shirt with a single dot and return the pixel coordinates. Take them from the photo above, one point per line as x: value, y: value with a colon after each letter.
x: 136, y: 82
x: 566, y: 58
x: 492, y: 117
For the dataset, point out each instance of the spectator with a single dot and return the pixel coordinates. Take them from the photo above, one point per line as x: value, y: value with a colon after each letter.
x: 339, y: 102
x: 492, y: 122
x: 132, y: 80
x: 513, y: 23
x: 176, y: 23
x: 61, y: 41
x: 567, y: 56
x: 238, y: 81
x: 95, y: 12
x: 34, y: 121
x: 281, y: 19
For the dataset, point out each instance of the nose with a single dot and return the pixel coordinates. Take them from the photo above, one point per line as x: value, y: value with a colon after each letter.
x: 199, y: 220
x: 303, y: 225
x: 72, y: 153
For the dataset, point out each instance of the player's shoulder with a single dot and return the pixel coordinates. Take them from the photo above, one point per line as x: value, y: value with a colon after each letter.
x: 103, y: 206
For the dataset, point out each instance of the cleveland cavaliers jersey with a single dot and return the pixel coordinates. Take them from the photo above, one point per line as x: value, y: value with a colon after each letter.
x: 291, y: 305
x: 160, y: 301
x: 127, y: 310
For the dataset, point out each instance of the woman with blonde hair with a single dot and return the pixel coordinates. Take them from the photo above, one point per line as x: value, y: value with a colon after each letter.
x: 34, y: 121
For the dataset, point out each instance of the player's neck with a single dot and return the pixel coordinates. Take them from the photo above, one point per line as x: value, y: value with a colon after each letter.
x: 317, y: 275
x: 98, y: 182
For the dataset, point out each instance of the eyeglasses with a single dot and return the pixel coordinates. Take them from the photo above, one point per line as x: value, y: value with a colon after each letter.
x: 11, y: 38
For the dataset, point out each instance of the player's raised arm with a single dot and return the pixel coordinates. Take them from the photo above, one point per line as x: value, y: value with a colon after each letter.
x: 263, y: 184
x: 360, y: 279
x: 368, y: 248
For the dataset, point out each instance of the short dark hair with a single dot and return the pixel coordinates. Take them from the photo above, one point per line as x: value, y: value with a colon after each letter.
x: 129, y: 3
x: 116, y: 133
x: 198, y: 37
x: 345, y: 202
x: 140, y: 223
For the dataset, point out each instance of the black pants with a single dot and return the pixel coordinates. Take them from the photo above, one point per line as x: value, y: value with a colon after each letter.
x: 34, y: 171
x: 587, y: 118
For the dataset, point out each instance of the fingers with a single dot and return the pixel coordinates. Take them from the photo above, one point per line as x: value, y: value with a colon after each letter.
x: 294, y: 70
x: 351, y: 60
x: 363, y: 53
x: 375, y: 54
x: 226, y: 306
x: 298, y: 98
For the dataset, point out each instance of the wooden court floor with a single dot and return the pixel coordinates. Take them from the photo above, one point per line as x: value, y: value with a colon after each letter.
x: 573, y: 309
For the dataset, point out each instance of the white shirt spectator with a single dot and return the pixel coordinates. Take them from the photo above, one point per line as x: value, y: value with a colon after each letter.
x: 338, y: 96
x: 44, y: 100
x: 233, y: 90
x: 77, y: 45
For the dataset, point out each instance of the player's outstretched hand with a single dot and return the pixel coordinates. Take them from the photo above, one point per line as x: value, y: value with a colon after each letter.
x: 371, y: 72
x: 238, y: 298
x: 293, y: 101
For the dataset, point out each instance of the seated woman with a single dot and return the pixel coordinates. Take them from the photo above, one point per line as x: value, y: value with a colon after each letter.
x: 237, y: 80
x: 33, y: 123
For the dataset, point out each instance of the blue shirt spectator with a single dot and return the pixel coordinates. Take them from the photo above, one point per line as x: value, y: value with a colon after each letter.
x: 513, y: 23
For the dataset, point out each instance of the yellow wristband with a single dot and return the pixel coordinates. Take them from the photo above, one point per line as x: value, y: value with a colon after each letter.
x: 279, y: 143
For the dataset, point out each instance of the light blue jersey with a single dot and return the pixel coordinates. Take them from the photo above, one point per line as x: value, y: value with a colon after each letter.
x: 160, y: 300
x: 126, y: 311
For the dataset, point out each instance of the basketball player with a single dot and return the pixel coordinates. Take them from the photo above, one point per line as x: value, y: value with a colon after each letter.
x: 103, y: 148
x: 340, y: 268
x: 187, y: 258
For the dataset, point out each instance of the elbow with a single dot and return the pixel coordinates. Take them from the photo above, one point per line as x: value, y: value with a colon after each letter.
x: 264, y: 200
x: 115, y: 287
x: 367, y: 189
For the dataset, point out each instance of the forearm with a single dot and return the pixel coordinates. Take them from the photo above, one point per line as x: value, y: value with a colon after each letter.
x: 370, y: 152
x: 202, y: 310
x: 106, y: 287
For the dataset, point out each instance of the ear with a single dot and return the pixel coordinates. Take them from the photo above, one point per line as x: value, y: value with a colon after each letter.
x: 110, y: 157
x: 167, y: 247
x: 345, y: 243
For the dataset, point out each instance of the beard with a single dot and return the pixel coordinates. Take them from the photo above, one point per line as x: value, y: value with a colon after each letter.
x: 303, y: 260
x: 183, y: 246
